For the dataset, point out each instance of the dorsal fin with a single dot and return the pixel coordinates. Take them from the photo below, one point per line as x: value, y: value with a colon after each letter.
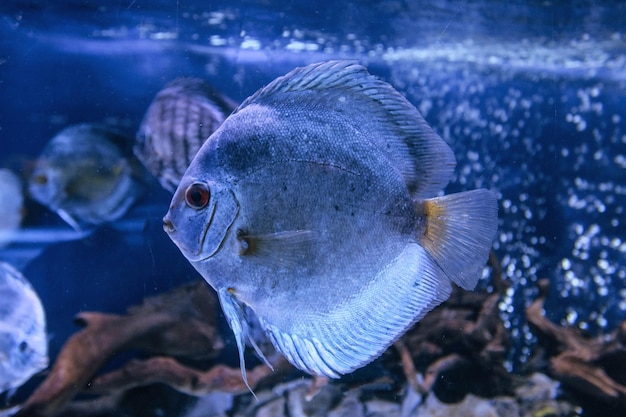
x: 419, y: 154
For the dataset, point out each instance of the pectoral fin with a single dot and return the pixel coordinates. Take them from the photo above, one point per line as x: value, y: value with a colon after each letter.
x: 282, y: 249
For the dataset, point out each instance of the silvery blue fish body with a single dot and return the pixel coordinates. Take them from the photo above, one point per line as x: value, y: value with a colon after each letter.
x: 178, y: 121
x: 87, y: 176
x: 11, y: 205
x: 314, y: 205
x: 23, y: 339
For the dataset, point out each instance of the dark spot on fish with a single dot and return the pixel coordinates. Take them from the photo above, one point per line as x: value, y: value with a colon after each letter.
x: 336, y: 207
x: 40, y: 179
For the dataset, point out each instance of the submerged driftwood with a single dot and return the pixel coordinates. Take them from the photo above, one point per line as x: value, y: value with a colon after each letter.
x: 182, y: 324
x: 456, y: 352
x: 179, y: 324
x: 592, y: 367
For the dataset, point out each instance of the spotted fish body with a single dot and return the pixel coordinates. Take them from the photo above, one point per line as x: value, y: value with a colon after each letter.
x: 23, y: 339
x: 314, y: 206
x: 178, y: 121
x: 87, y: 176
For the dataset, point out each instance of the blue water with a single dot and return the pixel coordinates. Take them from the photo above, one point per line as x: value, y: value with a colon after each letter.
x: 530, y: 95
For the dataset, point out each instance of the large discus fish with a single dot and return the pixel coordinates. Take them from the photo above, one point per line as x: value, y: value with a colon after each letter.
x: 11, y: 205
x: 23, y: 339
x: 87, y: 175
x: 315, y: 207
x: 180, y: 118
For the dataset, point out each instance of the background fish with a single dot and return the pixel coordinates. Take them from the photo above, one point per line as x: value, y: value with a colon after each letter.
x: 180, y: 118
x: 23, y: 339
x: 11, y: 204
x: 86, y: 175
x: 314, y: 205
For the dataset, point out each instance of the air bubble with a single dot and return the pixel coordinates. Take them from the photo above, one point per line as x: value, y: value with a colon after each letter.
x: 566, y: 264
x: 571, y: 318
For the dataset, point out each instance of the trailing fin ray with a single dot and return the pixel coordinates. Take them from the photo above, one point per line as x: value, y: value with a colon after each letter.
x: 238, y: 323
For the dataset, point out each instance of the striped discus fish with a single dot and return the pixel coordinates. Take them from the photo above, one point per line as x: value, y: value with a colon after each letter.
x: 180, y: 118
x: 87, y: 175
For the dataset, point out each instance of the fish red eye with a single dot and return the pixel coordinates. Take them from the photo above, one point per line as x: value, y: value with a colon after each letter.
x: 197, y: 196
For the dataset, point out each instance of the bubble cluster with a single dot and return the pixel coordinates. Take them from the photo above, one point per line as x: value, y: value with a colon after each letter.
x: 552, y: 146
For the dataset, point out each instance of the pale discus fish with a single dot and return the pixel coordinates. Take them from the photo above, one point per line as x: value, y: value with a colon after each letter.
x: 23, y: 339
x: 87, y: 175
x: 11, y: 205
x: 314, y: 205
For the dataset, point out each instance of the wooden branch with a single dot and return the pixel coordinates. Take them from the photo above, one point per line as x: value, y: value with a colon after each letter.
x: 464, y: 330
x: 185, y: 379
x: 181, y: 322
x: 579, y: 360
x: 585, y: 377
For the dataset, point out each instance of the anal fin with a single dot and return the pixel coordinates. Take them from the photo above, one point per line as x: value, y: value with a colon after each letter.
x: 358, y: 330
